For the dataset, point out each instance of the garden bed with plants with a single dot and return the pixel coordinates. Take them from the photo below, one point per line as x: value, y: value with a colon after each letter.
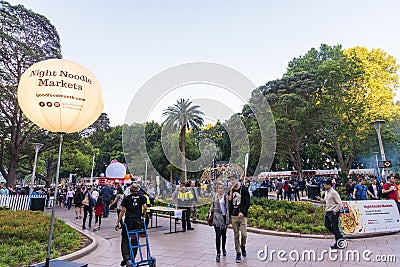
x: 24, y: 238
x: 279, y: 215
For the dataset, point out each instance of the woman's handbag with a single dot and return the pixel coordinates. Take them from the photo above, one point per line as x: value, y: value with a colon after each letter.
x: 210, y: 218
x: 86, y: 201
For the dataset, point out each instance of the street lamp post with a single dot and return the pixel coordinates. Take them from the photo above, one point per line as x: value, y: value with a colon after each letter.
x: 145, y: 174
x: 377, y: 125
x: 37, y: 147
x: 91, y: 174
x: 376, y: 159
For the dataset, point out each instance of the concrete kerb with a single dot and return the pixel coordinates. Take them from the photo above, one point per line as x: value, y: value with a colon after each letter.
x: 82, y: 252
x: 270, y: 232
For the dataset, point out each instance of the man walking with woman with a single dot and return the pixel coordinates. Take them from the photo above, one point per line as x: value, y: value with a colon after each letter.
x: 239, y: 199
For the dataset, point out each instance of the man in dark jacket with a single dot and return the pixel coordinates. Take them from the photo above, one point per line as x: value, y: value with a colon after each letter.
x: 375, y: 190
x: 239, y: 199
x: 107, y: 193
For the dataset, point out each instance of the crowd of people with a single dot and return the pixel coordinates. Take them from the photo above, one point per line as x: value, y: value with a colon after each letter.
x: 229, y: 205
x: 356, y: 189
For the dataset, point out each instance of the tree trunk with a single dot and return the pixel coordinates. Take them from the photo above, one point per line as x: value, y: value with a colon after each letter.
x: 11, y: 176
x: 183, y: 154
x: 49, y: 171
x: 344, y: 163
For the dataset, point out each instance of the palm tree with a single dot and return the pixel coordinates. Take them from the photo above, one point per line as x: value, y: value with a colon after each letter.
x: 183, y: 116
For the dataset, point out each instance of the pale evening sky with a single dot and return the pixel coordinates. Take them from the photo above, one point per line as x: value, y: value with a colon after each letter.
x: 125, y: 43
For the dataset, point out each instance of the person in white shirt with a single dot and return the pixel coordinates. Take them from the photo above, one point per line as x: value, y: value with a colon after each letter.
x: 95, y: 194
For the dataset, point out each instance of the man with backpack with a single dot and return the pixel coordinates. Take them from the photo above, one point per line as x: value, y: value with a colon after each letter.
x: 108, y: 194
x: 360, y: 190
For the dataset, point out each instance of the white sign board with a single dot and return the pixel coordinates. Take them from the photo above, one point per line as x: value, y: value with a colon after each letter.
x: 178, y: 214
x: 369, y: 217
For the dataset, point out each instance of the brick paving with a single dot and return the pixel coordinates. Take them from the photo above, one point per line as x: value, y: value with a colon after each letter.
x: 196, y: 248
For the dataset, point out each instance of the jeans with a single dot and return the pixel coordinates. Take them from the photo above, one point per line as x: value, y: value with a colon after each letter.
x: 286, y: 195
x: 69, y: 203
x: 132, y: 224
x: 98, y: 220
x: 87, y: 210
x: 296, y: 195
x: 239, y: 226
x: 332, y: 224
x: 279, y: 194
x: 220, y: 232
x: 106, y: 210
x: 186, y: 219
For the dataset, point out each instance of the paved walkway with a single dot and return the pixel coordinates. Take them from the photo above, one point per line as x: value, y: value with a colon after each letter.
x: 196, y: 248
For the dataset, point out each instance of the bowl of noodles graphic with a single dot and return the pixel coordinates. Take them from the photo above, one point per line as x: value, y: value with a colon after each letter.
x: 349, y: 220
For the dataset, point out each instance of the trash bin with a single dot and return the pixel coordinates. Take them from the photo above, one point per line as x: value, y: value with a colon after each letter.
x: 314, y: 191
x: 263, y: 191
x: 37, y: 203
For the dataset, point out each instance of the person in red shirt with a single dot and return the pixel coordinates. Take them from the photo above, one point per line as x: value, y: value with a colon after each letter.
x: 98, y: 212
x: 390, y: 188
x: 285, y: 188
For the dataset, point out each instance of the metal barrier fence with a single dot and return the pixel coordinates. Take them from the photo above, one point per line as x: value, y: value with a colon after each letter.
x: 17, y: 202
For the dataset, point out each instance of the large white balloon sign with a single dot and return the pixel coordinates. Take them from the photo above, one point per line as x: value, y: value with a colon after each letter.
x: 116, y: 170
x: 60, y: 96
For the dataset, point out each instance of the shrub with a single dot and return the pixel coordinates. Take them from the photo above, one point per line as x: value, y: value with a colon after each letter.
x: 24, y: 236
x: 287, y: 216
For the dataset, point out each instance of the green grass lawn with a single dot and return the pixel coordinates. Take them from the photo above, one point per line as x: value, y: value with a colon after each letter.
x: 24, y: 237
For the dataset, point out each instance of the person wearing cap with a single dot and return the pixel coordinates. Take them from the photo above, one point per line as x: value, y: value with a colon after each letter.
x: 184, y: 202
x: 134, y: 208
x: 239, y: 203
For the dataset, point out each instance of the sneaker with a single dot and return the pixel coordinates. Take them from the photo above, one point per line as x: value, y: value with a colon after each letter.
x: 224, y: 252
x: 218, y: 258
x: 238, y: 258
x: 123, y: 263
x: 83, y: 227
x: 76, y: 217
x: 334, y: 247
x: 244, y: 253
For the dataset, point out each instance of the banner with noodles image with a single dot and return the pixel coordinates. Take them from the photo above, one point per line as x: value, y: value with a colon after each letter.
x: 369, y: 217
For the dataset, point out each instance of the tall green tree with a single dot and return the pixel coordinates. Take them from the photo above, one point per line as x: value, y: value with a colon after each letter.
x: 183, y: 116
x: 347, y: 90
x: 292, y: 100
x: 26, y: 38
